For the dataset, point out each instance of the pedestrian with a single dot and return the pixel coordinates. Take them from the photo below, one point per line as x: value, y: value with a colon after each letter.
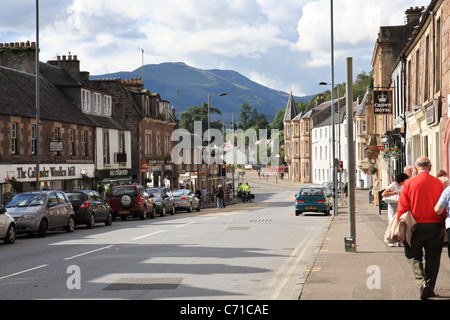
x: 420, y: 195
x: 409, y: 171
x: 394, y: 189
x: 220, y: 196
x: 444, y: 203
x: 442, y: 175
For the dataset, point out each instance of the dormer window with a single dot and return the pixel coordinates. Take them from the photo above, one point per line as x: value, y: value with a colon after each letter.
x: 108, y: 106
x: 85, y: 100
x: 97, y: 103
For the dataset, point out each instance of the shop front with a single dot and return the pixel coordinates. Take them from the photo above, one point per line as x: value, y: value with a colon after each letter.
x: 16, y: 178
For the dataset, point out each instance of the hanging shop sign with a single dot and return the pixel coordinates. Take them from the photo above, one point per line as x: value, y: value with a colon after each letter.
x: 383, y: 102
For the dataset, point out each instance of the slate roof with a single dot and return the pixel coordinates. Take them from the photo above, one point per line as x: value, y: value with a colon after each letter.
x: 291, y: 109
x: 18, y: 98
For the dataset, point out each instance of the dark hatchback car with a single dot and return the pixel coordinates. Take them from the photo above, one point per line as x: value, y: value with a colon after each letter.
x: 131, y: 200
x: 89, y: 207
x: 312, y: 199
x: 163, y: 198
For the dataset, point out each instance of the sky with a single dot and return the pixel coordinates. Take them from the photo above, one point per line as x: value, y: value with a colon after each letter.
x: 282, y: 44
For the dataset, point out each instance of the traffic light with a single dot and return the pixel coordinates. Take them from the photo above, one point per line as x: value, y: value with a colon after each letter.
x: 341, y: 166
x: 223, y: 170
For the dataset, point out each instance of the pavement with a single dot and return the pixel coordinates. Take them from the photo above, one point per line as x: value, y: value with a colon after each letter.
x: 375, y: 271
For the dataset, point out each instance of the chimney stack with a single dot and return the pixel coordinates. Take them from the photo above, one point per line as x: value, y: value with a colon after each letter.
x: 413, y: 14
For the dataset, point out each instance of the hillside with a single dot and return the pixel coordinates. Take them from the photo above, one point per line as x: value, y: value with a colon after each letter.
x: 194, y: 85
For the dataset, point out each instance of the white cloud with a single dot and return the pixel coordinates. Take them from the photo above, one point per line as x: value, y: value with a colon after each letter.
x: 356, y: 25
x: 284, y: 45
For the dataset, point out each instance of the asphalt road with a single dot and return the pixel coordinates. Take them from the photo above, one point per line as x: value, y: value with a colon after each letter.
x: 259, y: 251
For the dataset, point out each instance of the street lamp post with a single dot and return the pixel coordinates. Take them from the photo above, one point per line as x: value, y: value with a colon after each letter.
x: 209, y: 124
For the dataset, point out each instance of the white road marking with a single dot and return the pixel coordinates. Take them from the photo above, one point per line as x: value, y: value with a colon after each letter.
x: 86, y: 253
x: 24, y: 271
x: 148, y: 235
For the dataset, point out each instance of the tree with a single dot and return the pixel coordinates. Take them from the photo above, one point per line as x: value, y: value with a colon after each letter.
x: 196, y: 113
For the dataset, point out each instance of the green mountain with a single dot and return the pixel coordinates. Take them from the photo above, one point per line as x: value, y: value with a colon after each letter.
x: 193, y: 86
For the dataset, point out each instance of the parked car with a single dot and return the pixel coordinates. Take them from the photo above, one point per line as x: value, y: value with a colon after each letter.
x: 39, y: 211
x: 131, y: 200
x: 186, y: 200
x: 312, y: 199
x: 328, y: 185
x: 163, y: 198
x: 89, y: 207
x: 7, y: 226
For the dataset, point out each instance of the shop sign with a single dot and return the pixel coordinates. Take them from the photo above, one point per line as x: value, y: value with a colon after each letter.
x: 430, y: 114
x: 51, y: 172
x: 382, y: 102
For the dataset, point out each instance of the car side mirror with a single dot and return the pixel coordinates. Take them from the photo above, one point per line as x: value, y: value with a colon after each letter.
x: 2, y: 209
x: 152, y: 195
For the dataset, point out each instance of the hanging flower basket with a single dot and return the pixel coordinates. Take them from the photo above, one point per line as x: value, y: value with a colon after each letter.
x: 373, y: 169
x: 14, y: 183
x: 392, y: 153
x: 396, y: 153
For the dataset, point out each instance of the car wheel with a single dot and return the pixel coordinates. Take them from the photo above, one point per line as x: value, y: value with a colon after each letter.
x: 109, y: 219
x: 163, y: 211
x: 297, y: 212
x: 143, y: 215
x: 11, y: 234
x: 42, y: 231
x: 70, y: 225
x: 190, y: 207
x: 173, y: 211
x: 198, y: 207
x: 91, y: 222
x: 153, y: 213
x: 123, y: 217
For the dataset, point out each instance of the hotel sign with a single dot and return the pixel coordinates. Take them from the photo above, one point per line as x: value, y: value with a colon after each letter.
x: 383, y: 103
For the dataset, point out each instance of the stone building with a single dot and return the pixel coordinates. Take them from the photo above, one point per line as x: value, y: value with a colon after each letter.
x: 151, y: 124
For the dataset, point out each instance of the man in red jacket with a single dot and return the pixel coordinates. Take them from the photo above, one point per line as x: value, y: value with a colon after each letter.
x: 420, y: 194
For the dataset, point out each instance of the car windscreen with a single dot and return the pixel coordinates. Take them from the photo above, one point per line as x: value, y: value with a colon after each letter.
x: 155, y: 192
x: 27, y: 200
x: 311, y: 192
x: 118, y: 192
x: 75, y: 196
x: 179, y: 193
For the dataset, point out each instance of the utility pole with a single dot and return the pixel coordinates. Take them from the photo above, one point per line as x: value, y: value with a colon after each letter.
x: 350, y: 149
x: 38, y: 115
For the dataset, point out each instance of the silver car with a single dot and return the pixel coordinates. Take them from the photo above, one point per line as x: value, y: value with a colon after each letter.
x: 185, y: 199
x: 40, y: 211
x: 7, y: 226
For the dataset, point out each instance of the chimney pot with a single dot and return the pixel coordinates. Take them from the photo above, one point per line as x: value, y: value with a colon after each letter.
x: 64, y: 58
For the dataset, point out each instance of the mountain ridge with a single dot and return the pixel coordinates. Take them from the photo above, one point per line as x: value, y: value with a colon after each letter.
x: 194, y: 85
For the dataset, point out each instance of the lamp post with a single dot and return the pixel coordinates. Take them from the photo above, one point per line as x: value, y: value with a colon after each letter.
x: 339, y: 132
x: 38, y: 114
x: 209, y: 124
x: 332, y: 109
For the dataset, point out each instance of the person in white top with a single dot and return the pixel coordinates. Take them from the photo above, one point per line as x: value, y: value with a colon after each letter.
x: 394, y: 189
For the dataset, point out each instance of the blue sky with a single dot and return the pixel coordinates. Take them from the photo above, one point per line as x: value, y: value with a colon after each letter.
x: 282, y: 44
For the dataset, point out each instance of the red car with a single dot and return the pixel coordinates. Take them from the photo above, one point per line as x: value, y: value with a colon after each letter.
x: 131, y: 200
